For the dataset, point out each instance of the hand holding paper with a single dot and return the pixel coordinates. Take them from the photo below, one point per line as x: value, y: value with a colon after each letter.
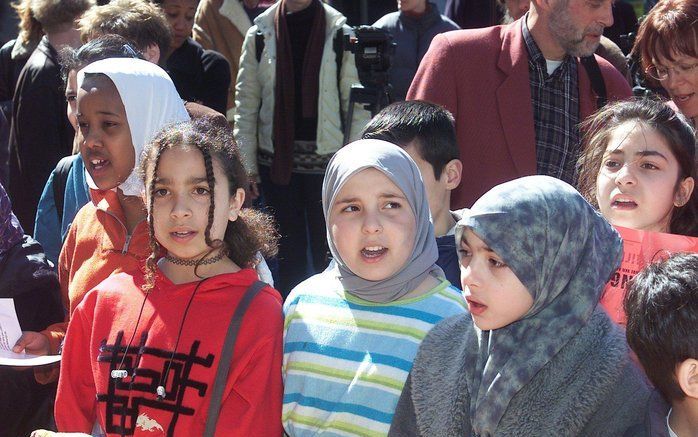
x: 10, y: 335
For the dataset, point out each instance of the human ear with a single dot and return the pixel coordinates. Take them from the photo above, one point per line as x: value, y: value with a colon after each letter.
x: 453, y: 171
x: 684, y: 191
x: 687, y: 377
x: 235, y: 204
x: 152, y: 53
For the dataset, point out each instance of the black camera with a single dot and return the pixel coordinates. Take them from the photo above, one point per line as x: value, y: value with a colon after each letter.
x: 373, y: 50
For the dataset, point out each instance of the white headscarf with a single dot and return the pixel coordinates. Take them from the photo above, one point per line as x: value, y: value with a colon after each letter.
x: 151, y: 102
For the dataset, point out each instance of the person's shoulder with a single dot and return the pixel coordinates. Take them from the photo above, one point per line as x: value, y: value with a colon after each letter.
x: 199, y: 111
x: 115, y: 290
x: 269, y: 298
x: 212, y: 60
x: 388, y: 21
x: 322, y: 284
x: 616, y: 84
x: 86, y: 215
x: 448, y: 23
x: 6, y: 51
x: 464, y: 41
x: 448, y: 342
x: 23, y: 267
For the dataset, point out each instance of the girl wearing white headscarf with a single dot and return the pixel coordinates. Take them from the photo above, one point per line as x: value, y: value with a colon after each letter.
x: 351, y: 332
x: 122, y: 104
x: 560, y: 367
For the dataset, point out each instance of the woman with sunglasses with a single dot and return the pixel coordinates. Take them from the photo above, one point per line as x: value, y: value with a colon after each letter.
x: 667, y: 43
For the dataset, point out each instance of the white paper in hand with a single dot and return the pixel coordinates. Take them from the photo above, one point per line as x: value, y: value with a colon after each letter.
x: 9, y: 325
x: 10, y: 331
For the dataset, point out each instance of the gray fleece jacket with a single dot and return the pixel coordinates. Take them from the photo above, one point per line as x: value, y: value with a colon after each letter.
x: 590, y: 388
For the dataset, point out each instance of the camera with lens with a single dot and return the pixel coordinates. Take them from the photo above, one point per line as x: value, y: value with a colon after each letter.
x: 373, y: 50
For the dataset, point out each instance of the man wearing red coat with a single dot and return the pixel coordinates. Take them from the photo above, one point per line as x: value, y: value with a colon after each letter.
x: 518, y: 92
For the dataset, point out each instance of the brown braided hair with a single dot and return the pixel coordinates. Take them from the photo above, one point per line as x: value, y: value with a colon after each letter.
x: 252, y: 232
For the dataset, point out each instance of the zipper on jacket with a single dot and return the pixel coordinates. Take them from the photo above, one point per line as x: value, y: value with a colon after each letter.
x: 127, y: 243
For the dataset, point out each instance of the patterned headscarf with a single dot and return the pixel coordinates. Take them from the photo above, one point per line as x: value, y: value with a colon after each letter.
x: 563, y: 251
x: 151, y: 102
x: 397, y: 165
x: 11, y: 231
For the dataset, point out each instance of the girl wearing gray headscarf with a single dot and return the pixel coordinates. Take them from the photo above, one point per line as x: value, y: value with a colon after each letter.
x: 536, y: 356
x: 352, y: 332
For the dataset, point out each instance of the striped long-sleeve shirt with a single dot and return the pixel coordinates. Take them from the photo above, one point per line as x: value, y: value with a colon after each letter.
x: 346, y: 360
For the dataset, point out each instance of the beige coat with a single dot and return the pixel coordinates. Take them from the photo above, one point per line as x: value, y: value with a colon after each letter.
x: 221, y: 25
x: 254, y: 92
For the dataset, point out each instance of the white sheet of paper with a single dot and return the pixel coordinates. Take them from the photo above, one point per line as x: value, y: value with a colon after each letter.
x: 8, y: 358
x: 10, y: 332
x: 9, y: 325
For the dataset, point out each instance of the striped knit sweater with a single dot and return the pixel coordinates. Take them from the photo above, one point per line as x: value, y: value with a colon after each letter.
x: 346, y: 360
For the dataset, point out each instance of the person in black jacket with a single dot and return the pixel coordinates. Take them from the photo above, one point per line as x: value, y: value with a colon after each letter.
x: 28, y: 279
x: 41, y: 134
x: 13, y: 56
x: 201, y: 76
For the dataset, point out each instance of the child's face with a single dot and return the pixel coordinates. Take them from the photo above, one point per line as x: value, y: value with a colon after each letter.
x: 636, y: 184
x: 495, y: 296
x: 372, y: 225
x: 181, y: 201
x: 104, y: 135
x: 180, y: 14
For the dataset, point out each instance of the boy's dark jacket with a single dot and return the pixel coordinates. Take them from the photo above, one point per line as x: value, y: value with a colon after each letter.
x: 655, y: 422
x: 590, y: 388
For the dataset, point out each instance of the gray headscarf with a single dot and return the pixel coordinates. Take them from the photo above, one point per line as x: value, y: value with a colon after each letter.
x: 397, y: 165
x: 563, y: 251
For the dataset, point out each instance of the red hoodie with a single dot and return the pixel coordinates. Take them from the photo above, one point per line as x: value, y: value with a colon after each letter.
x: 103, y: 324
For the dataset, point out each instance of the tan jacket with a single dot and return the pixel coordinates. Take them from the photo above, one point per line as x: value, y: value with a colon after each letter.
x: 221, y: 25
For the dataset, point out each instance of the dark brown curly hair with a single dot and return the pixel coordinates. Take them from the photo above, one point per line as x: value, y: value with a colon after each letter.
x: 252, y: 232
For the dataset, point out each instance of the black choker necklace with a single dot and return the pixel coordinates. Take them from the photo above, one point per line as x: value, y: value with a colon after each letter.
x: 196, y: 262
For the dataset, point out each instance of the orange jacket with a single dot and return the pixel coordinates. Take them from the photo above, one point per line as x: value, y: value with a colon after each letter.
x: 97, y: 245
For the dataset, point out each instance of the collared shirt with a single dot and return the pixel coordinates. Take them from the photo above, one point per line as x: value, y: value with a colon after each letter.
x: 555, y: 99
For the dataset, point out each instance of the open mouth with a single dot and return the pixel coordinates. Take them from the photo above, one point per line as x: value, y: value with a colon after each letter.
x: 182, y: 235
x: 373, y: 252
x: 623, y: 204
x: 475, y: 307
x: 682, y: 98
x: 98, y: 164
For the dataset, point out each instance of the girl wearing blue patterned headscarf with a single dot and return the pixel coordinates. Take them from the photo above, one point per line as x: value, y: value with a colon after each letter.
x: 535, y: 356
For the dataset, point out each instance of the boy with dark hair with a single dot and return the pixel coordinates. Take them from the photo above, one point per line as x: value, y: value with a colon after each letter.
x: 426, y: 132
x: 662, y: 308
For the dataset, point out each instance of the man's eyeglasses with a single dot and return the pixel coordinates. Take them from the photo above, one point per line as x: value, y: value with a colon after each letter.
x: 662, y: 73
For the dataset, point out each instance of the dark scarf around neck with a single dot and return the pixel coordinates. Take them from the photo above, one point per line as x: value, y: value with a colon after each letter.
x: 284, y: 93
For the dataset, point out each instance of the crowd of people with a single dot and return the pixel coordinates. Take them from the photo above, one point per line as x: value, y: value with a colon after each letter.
x: 183, y: 222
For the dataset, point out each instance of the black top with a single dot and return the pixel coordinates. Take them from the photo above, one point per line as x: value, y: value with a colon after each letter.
x: 9, y: 73
x: 299, y: 26
x: 41, y: 133
x: 200, y: 75
x: 9, y: 70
